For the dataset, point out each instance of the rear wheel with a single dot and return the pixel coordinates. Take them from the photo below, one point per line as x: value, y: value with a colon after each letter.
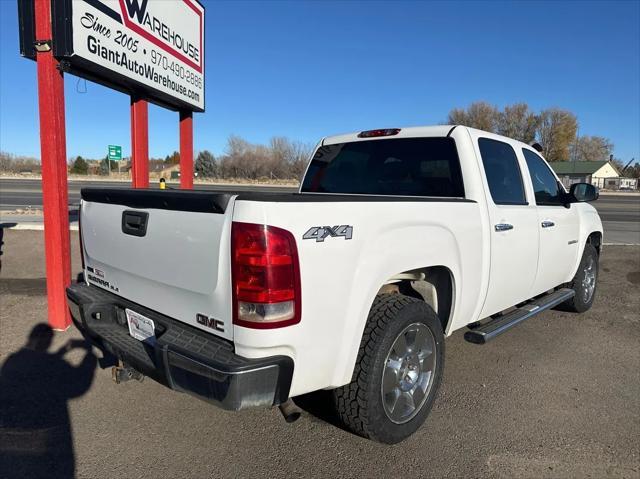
x: 584, y: 282
x: 397, y: 373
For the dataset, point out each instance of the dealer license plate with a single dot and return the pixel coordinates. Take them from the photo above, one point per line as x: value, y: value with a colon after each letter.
x: 140, y: 327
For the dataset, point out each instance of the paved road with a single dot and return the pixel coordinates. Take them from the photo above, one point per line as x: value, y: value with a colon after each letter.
x: 23, y: 193
x: 556, y: 397
x: 620, y: 217
x: 620, y: 214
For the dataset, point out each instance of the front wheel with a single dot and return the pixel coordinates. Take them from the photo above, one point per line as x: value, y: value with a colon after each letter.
x: 584, y: 282
x: 397, y: 373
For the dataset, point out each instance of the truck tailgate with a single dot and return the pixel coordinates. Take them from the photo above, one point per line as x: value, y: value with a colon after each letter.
x: 166, y: 250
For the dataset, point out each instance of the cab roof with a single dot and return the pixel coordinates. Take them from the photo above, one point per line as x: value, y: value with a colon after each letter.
x: 409, y: 132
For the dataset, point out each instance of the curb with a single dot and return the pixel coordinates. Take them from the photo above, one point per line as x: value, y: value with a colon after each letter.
x: 633, y: 194
x: 35, y: 227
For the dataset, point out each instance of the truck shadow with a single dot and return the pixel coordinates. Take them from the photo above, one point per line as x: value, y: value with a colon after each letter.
x: 319, y: 405
x: 35, y: 386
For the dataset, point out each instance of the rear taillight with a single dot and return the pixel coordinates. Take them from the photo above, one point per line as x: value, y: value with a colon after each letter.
x: 265, y: 276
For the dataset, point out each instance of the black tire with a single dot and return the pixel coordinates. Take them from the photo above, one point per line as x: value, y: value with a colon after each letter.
x: 580, y: 303
x: 359, y: 404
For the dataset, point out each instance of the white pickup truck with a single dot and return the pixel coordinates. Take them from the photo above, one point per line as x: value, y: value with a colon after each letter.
x: 396, y: 239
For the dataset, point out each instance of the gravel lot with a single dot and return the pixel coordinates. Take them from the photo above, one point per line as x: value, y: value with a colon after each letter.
x: 559, y: 396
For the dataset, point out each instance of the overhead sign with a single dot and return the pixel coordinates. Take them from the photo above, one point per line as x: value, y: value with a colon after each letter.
x: 152, y: 48
x: 115, y: 152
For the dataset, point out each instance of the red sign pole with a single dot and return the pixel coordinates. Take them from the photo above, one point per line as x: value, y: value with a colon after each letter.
x: 139, y: 143
x: 53, y: 153
x: 186, y: 150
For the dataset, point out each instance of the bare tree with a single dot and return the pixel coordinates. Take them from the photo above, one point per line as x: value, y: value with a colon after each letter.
x: 291, y: 156
x: 480, y: 115
x: 16, y: 164
x: 632, y: 171
x: 6, y: 162
x: 554, y: 128
x: 458, y: 116
x: 556, y: 133
x: 518, y: 122
x: 591, y: 148
x: 300, y: 156
x: 281, y: 159
x: 232, y: 163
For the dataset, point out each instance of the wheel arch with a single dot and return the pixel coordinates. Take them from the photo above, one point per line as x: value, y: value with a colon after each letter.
x: 590, y: 232
x: 441, y: 277
x: 595, y: 239
x: 435, y: 285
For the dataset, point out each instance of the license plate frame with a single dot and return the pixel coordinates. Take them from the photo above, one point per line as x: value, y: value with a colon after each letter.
x: 140, y: 327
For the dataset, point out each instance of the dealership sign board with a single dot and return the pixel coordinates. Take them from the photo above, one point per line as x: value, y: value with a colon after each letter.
x: 151, y: 48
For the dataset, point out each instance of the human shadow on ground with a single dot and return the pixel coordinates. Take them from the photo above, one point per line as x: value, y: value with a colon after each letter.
x: 35, y: 386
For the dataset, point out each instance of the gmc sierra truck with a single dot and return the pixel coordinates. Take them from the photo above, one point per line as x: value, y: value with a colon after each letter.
x: 395, y: 239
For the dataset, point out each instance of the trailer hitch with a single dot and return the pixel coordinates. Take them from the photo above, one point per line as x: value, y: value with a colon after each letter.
x: 123, y: 373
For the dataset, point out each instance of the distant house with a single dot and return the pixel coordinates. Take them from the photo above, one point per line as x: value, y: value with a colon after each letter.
x: 602, y: 174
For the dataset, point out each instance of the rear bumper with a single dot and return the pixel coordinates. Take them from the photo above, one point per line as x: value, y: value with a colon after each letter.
x: 181, y: 357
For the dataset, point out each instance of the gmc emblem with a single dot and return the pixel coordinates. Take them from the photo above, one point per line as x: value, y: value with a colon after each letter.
x: 212, y: 323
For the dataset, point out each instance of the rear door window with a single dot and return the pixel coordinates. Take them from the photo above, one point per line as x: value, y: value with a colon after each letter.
x: 503, y: 172
x: 391, y: 167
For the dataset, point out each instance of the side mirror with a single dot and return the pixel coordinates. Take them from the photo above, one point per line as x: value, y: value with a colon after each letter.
x: 582, y: 192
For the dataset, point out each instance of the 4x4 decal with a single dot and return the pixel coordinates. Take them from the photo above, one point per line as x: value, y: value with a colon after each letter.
x: 319, y: 233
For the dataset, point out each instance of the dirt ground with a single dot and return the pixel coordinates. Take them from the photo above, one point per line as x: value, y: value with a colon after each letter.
x: 557, y: 397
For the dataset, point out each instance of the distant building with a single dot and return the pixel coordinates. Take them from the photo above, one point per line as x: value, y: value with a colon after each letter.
x: 602, y: 174
x: 628, y: 184
x: 171, y: 173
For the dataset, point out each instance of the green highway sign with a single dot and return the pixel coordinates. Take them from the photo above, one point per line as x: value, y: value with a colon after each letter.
x: 115, y: 152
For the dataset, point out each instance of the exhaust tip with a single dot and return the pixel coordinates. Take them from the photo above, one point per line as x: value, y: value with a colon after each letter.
x: 290, y: 411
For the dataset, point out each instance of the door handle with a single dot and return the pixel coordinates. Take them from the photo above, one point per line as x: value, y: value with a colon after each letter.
x: 503, y: 227
x: 134, y: 223
x: 548, y: 224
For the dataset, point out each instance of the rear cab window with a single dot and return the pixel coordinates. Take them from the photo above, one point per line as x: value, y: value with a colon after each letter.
x: 390, y: 167
x: 503, y: 173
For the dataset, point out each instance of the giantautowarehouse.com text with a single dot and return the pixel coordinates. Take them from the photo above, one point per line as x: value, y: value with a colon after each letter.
x: 149, y: 72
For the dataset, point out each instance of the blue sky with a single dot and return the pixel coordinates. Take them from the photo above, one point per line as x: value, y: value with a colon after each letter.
x: 306, y: 70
